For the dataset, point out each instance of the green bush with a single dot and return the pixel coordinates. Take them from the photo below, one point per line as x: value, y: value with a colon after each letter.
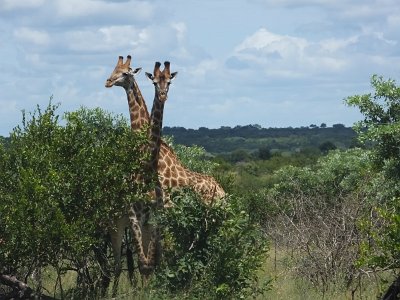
x: 381, y: 131
x: 60, y: 186
x: 212, y: 252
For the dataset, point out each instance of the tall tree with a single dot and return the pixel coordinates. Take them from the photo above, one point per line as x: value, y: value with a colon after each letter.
x: 381, y: 129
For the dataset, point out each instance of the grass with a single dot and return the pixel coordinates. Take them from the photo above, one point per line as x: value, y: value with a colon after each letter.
x: 287, y: 285
x: 125, y: 290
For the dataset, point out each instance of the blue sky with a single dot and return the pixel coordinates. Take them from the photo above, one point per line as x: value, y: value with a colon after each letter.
x: 276, y: 63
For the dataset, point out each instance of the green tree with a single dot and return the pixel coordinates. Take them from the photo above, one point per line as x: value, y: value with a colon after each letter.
x: 381, y: 124
x: 212, y: 252
x: 264, y: 153
x: 327, y: 146
x: 60, y: 186
x: 381, y: 130
x: 239, y: 155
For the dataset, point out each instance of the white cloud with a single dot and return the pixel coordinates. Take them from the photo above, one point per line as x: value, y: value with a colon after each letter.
x: 294, y: 57
x: 37, y: 37
x: 372, y: 10
x: 302, y: 3
x: 393, y: 20
x: 20, y: 4
x: 203, y: 68
x: 180, y: 30
x: 307, y: 54
x: 269, y: 43
x: 137, y: 10
x: 105, y: 38
x: 336, y: 44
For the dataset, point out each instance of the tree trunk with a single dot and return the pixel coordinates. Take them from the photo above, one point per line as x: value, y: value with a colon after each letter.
x: 20, y: 290
x: 393, y: 291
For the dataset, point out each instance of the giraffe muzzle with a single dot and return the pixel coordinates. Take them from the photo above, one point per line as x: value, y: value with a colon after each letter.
x: 163, y: 95
x: 108, y: 83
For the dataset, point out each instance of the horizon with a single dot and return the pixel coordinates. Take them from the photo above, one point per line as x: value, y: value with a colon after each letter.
x: 258, y: 126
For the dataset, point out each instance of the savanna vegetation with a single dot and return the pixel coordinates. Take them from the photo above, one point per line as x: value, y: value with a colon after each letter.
x: 251, y: 138
x: 312, y: 213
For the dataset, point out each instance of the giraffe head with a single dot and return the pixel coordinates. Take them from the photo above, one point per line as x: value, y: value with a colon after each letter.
x: 122, y: 74
x: 161, y: 80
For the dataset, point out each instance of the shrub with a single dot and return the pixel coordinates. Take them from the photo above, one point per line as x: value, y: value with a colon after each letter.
x: 211, y: 251
x: 60, y: 186
x: 315, y: 213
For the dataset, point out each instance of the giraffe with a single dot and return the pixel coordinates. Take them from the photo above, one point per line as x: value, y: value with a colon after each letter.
x: 172, y: 174
x: 138, y: 213
x: 171, y: 171
x: 161, y: 81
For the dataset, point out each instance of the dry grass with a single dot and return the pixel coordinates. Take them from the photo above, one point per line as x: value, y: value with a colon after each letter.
x: 278, y: 266
x: 286, y: 285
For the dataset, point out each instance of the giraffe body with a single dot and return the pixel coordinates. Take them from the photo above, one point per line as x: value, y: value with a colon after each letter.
x: 174, y: 175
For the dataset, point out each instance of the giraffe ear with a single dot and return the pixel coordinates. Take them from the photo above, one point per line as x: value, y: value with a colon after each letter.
x: 133, y: 72
x: 149, y: 76
x: 136, y: 71
x: 173, y: 76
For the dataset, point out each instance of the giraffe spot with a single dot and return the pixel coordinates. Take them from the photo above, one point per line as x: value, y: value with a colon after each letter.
x: 168, y: 160
x: 161, y: 165
x: 167, y: 173
x: 174, y: 182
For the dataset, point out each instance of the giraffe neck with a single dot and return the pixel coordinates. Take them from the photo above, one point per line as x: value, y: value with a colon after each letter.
x: 156, y: 120
x: 139, y: 117
x: 138, y: 113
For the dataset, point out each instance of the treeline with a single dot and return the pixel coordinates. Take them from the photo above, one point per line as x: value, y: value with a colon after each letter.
x: 253, y: 137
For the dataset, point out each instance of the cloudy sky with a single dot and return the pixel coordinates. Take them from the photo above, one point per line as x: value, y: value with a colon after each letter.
x: 276, y: 63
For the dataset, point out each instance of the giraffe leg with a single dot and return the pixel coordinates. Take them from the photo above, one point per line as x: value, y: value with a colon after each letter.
x: 100, y: 252
x: 156, y: 236
x: 152, y: 237
x: 144, y: 267
x: 129, y: 258
x: 116, y: 235
x: 153, y: 247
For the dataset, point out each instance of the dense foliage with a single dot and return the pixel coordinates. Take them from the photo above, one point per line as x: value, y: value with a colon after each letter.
x: 250, y: 138
x: 60, y: 187
x: 62, y: 184
x: 212, y: 252
x: 381, y: 128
